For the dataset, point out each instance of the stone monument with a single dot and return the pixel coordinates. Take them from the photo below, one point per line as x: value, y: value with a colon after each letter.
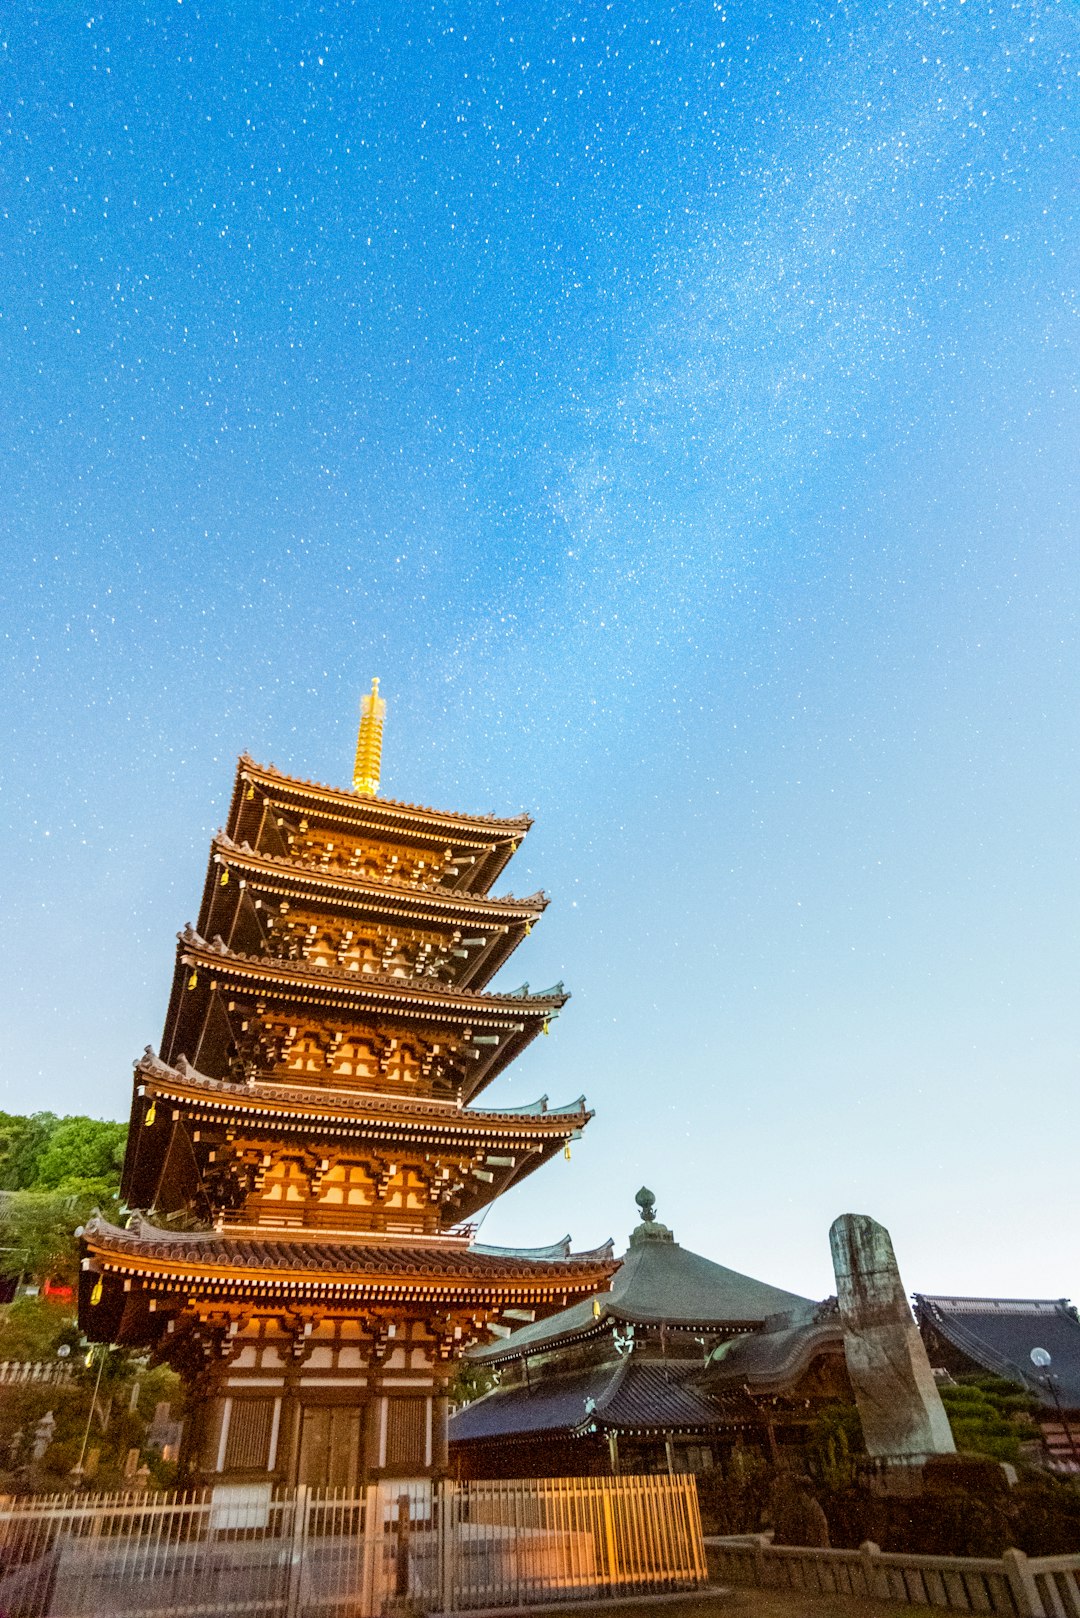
x: 903, y: 1418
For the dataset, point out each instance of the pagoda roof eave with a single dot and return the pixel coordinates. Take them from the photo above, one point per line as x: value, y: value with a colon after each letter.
x: 266, y: 970
x: 520, y: 1016
x: 532, y: 1136
x: 183, y: 1082
x: 390, y: 893
x: 346, y: 1265
x: 390, y: 811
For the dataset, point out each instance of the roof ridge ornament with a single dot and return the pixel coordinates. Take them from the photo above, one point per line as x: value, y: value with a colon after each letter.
x: 368, y: 764
x: 650, y: 1230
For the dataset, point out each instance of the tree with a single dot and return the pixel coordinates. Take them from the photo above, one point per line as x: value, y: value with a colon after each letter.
x: 81, y: 1149
x: 22, y: 1141
x: 32, y: 1329
x: 37, y: 1230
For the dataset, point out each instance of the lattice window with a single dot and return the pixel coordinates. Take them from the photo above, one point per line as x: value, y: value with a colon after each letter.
x: 305, y: 1054
x: 403, y: 1065
x: 406, y: 1435
x: 247, y: 1448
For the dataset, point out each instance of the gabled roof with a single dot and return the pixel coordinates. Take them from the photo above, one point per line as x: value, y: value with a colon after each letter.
x: 998, y: 1335
x: 658, y: 1283
x: 632, y: 1396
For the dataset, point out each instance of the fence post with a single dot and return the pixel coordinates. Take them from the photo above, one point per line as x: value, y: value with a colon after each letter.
x: 612, y: 1553
x: 373, y: 1547
x: 1025, y: 1591
x: 295, y: 1568
x: 445, y: 1505
x: 868, y: 1556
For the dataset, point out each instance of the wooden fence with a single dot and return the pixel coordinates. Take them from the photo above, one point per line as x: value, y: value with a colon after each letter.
x: 300, y: 1553
x: 1014, y: 1584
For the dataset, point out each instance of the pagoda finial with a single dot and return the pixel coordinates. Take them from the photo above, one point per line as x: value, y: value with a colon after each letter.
x: 646, y: 1204
x: 369, y: 742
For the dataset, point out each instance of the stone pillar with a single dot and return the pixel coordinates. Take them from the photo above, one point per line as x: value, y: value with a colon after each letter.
x: 903, y: 1418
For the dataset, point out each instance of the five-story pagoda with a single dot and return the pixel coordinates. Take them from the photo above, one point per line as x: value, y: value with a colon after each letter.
x: 305, y: 1154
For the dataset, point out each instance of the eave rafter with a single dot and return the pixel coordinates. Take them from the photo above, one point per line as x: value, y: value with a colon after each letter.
x: 398, y: 996
x: 480, y: 933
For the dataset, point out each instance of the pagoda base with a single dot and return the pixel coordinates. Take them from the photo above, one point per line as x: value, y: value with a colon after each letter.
x: 326, y: 1407
x: 340, y: 1432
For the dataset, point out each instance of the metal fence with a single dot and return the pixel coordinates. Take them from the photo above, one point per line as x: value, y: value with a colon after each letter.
x: 1014, y: 1584
x: 303, y: 1553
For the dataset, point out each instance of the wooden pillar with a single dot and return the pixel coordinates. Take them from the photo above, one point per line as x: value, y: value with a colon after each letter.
x: 613, y: 1453
x: 440, y: 1453
x: 669, y: 1451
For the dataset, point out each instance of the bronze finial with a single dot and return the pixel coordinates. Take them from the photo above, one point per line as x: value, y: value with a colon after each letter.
x: 647, y: 1204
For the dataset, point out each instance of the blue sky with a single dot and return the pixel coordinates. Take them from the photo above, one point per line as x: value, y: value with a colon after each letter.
x: 676, y: 407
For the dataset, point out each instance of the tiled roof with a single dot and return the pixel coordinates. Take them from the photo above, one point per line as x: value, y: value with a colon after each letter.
x: 345, y: 1257
x: 998, y: 1334
x: 631, y: 1396
x: 657, y: 1282
x: 772, y: 1359
x: 553, y: 1250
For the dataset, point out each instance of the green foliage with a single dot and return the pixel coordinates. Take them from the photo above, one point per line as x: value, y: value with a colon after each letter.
x: 32, y: 1329
x: 734, y: 1496
x: 469, y: 1382
x: 989, y: 1416
x: 22, y: 1141
x: 834, y: 1441
x: 1046, y: 1515
x: 58, y: 1170
x: 111, y: 1412
x: 81, y: 1150
x: 37, y: 1230
x: 42, y: 1152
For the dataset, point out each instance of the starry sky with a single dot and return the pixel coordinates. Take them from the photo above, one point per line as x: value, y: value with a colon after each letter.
x: 676, y: 406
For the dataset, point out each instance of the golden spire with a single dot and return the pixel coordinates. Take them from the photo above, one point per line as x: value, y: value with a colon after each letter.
x: 369, y: 742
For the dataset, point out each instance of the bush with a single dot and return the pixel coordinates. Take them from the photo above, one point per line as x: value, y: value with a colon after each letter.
x: 733, y: 1497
